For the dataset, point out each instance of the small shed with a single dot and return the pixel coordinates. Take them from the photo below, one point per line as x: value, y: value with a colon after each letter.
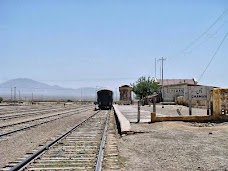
x: 125, y: 95
x: 149, y: 99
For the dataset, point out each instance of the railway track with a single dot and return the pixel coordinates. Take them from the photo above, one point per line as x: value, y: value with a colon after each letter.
x: 20, y: 114
x: 21, y: 109
x: 80, y: 148
x: 26, y: 124
x: 16, y: 114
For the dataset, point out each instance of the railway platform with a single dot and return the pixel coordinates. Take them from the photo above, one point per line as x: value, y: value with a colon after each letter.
x: 130, y: 112
x: 127, y: 114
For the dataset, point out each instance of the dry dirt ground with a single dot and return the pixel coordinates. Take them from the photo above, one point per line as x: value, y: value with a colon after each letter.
x: 175, y: 146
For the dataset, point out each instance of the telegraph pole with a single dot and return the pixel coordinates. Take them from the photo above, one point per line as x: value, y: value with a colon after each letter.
x: 15, y: 95
x: 11, y: 94
x: 19, y: 93
x: 162, y: 60
x: 155, y: 68
x: 116, y: 95
x: 160, y: 70
x: 81, y: 95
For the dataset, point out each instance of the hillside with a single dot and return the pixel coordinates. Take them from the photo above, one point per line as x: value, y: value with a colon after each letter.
x: 27, y: 87
x: 27, y: 83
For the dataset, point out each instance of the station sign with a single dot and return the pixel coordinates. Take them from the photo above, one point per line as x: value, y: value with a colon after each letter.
x: 199, y: 92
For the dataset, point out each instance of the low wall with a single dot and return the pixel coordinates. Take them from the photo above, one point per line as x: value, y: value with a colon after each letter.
x: 155, y: 118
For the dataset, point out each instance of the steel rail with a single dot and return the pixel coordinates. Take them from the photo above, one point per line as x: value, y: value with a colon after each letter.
x: 5, y: 111
x: 101, y: 149
x: 32, y: 110
x: 29, y: 113
x: 8, y: 113
x: 36, y: 119
x: 26, y: 161
x: 31, y: 126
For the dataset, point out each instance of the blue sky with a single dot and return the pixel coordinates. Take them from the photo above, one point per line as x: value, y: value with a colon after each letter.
x: 110, y: 43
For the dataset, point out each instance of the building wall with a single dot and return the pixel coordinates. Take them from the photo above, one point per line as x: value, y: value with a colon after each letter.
x: 199, y: 95
x: 172, y: 92
x: 125, y: 95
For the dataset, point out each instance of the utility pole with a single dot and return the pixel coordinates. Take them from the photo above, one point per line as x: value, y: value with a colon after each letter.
x: 19, y: 93
x: 116, y: 95
x: 81, y: 95
x: 162, y: 60
x: 32, y: 97
x: 14, y: 95
x: 155, y: 68
x: 11, y: 94
x: 160, y: 70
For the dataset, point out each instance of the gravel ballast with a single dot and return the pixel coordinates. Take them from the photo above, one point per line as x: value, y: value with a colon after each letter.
x: 17, y: 145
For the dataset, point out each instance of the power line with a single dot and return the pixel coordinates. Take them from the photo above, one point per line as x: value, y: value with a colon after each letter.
x: 213, y: 56
x: 200, y: 36
x: 209, y: 63
x: 215, y: 32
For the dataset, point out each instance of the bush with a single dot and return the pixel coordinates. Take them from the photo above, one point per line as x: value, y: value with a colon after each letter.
x: 1, y: 99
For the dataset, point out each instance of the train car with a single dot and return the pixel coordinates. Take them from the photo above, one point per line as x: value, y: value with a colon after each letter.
x: 104, y: 99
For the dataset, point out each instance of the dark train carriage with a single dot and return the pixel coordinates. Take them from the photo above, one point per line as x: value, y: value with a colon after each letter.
x: 104, y: 99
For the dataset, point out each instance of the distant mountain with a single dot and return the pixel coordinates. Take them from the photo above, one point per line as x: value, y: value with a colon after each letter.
x: 28, y: 84
x: 29, y: 88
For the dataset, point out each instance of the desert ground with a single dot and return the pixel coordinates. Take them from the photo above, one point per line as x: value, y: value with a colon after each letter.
x: 174, y: 146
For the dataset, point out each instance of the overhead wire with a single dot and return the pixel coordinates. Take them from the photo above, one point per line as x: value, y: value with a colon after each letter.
x: 214, y: 33
x: 224, y: 13
x: 209, y: 62
x: 213, y: 56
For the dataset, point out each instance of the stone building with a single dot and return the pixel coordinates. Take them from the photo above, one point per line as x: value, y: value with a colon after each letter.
x: 125, y: 94
x: 183, y: 93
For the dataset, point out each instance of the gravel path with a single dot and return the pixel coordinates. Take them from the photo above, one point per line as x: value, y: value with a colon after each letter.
x: 175, y: 146
x: 18, y: 145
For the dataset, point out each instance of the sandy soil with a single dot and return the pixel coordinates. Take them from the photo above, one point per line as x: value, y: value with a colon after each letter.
x: 175, y: 146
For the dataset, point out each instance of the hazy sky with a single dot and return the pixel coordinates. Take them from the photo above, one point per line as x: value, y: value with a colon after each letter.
x: 110, y: 43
